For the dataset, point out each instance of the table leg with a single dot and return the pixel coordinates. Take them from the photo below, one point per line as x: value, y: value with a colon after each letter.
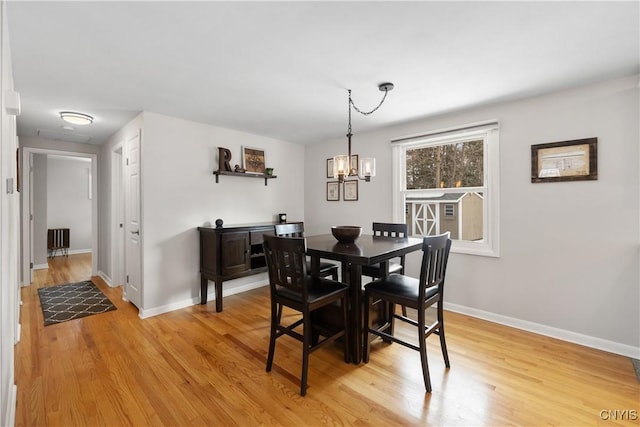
x: 218, y: 283
x: 315, y: 266
x: 355, y: 288
x: 204, y: 284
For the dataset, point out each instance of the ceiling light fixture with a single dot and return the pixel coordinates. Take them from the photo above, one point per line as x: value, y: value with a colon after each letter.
x: 76, y: 118
x: 342, y: 167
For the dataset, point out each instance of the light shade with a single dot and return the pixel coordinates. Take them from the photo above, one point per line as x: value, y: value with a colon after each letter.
x: 76, y: 118
x: 367, y: 168
x: 340, y: 166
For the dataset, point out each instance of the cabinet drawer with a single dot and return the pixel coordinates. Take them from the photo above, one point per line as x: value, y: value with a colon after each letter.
x: 256, y: 235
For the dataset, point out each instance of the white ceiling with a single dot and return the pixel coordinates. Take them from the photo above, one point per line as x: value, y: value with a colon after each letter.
x: 281, y: 69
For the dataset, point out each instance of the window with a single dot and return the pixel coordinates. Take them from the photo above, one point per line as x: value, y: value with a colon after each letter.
x: 448, y: 180
x: 449, y: 210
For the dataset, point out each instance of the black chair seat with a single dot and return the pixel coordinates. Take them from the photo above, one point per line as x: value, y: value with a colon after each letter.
x: 375, y: 270
x: 317, y: 288
x: 400, y: 289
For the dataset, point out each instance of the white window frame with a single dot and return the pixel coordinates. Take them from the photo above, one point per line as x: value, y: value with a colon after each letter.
x: 489, y: 132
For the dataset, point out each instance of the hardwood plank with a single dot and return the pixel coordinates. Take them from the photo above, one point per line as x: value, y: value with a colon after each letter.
x: 198, y: 367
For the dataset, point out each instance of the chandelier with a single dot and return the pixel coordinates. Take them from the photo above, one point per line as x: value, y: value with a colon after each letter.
x: 342, y: 164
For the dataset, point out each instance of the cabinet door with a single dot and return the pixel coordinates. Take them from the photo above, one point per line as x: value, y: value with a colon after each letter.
x: 234, y: 251
x: 209, y: 252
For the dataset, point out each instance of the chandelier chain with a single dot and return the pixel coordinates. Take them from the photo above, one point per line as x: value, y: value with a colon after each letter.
x: 366, y: 113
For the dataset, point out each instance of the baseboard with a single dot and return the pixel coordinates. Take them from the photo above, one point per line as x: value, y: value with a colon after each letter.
x: 11, y: 402
x: 106, y: 278
x: 150, y: 312
x: 194, y: 301
x: 561, y: 334
x: 41, y: 266
x: 79, y: 251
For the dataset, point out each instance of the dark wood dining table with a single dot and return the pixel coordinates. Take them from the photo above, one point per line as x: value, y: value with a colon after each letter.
x: 366, y: 250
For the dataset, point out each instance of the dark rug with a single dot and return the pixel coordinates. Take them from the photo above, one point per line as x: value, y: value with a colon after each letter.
x: 72, y: 301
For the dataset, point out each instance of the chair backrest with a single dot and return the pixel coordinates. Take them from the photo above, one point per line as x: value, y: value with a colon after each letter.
x: 434, y: 262
x: 390, y: 229
x: 286, y: 263
x: 293, y: 229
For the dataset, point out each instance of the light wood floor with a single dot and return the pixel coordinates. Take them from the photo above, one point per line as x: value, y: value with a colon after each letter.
x: 198, y: 367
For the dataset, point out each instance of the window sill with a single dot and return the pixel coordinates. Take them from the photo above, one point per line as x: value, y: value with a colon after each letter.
x: 470, y: 248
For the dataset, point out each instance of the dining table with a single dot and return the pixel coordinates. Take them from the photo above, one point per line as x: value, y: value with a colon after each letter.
x: 366, y: 250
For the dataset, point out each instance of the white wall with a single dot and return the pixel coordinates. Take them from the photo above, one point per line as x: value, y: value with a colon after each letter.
x: 68, y: 202
x: 179, y: 193
x: 570, y: 259
x: 39, y: 186
x: 9, y: 226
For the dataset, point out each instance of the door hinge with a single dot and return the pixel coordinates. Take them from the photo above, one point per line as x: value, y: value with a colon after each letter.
x: 30, y: 265
x: 127, y: 278
x: 126, y: 162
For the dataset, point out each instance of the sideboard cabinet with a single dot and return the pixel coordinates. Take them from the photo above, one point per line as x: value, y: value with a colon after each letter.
x: 230, y: 253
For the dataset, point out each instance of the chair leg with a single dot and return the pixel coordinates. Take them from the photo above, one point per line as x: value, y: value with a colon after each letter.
x: 443, y: 341
x: 306, y: 342
x: 367, y: 326
x: 275, y: 320
x: 422, y: 340
x: 443, y: 345
x: 389, y: 313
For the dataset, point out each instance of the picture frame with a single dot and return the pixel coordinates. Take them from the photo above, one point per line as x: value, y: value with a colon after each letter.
x: 333, y: 191
x: 350, y: 193
x: 253, y: 160
x: 330, y: 168
x: 574, y: 160
x: 354, y: 162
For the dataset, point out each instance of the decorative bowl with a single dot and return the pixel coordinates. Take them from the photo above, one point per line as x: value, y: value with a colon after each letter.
x: 346, y: 233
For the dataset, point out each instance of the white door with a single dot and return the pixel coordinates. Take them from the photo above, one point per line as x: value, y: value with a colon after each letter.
x: 117, y: 217
x: 29, y: 280
x: 133, y: 238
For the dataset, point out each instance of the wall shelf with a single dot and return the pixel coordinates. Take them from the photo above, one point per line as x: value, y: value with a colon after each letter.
x: 245, y: 175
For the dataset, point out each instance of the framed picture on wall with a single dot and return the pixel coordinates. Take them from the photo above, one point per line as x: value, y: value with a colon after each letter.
x: 575, y: 160
x: 330, y: 168
x: 253, y: 160
x: 350, y: 190
x: 333, y: 191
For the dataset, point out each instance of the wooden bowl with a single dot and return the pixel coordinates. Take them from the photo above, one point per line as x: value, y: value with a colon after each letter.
x: 346, y: 233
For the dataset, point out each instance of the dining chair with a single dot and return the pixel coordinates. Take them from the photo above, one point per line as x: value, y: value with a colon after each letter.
x: 418, y: 294
x: 392, y: 230
x: 296, y: 229
x: 291, y: 286
x: 382, y: 229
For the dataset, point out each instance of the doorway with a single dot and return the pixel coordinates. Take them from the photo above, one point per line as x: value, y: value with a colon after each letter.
x: 28, y: 213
